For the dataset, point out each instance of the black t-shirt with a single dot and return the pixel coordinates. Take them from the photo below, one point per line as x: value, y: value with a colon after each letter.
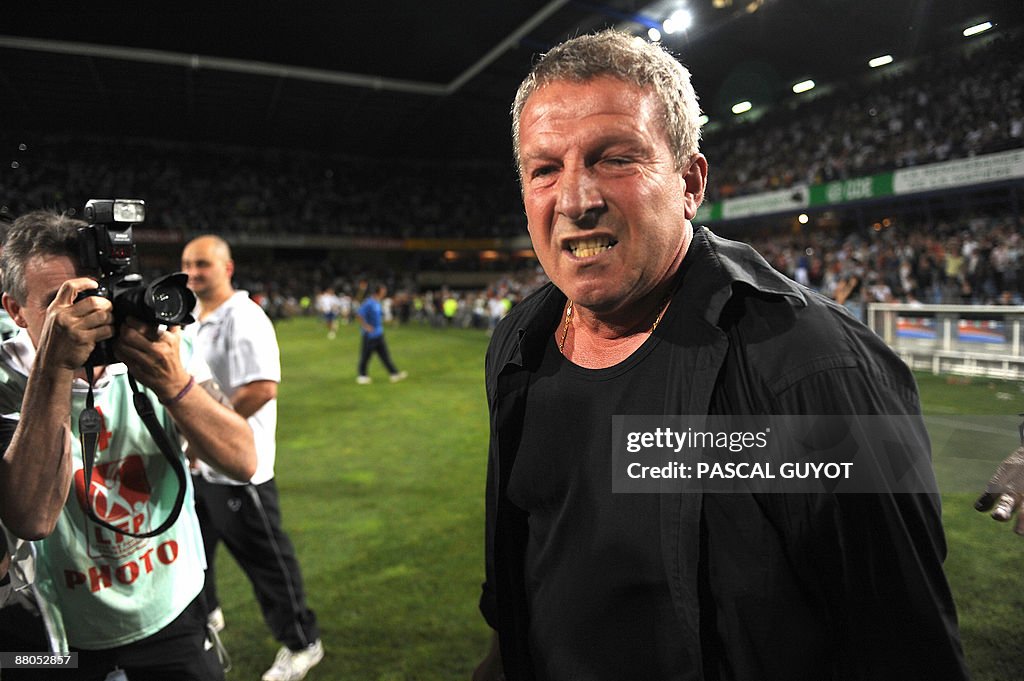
x: 599, y: 600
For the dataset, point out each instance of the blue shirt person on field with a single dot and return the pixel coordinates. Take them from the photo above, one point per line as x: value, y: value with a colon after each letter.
x: 371, y: 319
x: 372, y: 315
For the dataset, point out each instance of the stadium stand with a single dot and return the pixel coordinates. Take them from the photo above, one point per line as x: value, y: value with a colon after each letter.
x: 950, y: 105
x: 955, y: 104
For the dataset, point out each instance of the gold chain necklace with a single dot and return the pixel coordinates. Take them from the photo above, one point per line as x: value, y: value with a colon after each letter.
x: 568, y: 319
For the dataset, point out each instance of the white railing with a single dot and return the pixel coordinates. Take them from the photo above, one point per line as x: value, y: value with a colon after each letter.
x: 974, y: 340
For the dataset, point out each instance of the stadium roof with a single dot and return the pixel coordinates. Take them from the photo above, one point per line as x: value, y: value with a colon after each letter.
x: 408, y: 78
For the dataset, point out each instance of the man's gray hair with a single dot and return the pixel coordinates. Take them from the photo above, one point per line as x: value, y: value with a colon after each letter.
x: 630, y: 59
x: 39, y: 233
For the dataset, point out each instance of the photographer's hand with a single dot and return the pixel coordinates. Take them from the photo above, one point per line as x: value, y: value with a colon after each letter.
x: 72, y: 329
x: 215, y: 433
x: 1004, y: 494
x: 153, y: 357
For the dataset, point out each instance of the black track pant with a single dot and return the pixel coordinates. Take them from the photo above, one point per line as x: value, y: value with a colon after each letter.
x: 380, y: 346
x: 247, y: 518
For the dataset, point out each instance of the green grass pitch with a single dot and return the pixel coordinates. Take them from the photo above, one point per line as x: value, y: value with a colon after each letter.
x: 382, y: 493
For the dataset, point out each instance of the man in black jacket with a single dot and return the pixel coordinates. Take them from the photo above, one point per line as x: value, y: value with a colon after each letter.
x: 646, y: 315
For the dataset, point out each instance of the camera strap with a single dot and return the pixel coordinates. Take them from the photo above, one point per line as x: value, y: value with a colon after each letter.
x: 90, y: 425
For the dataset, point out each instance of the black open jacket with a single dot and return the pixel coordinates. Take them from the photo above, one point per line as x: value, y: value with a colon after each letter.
x: 785, y: 587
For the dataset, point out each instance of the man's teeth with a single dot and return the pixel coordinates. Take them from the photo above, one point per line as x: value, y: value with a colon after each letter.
x: 588, y: 247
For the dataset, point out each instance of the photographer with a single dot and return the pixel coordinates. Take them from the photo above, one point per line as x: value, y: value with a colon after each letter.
x: 124, y: 602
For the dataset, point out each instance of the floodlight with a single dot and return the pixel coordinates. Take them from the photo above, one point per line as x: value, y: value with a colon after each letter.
x: 741, y: 107
x: 880, y: 61
x: 977, y: 28
x: 803, y: 86
x: 679, y: 20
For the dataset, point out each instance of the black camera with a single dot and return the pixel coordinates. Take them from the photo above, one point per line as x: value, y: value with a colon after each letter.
x: 105, y: 247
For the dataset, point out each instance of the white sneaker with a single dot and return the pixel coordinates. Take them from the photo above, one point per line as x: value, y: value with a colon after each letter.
x: 292, y: 665
x: 400, y: 376
x: 364, y: 380
x: 215, y: 620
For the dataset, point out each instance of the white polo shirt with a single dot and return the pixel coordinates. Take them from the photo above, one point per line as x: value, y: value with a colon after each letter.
x: 239, y: 344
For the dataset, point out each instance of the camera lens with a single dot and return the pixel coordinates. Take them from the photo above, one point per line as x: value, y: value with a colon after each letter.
x: 168, y: 303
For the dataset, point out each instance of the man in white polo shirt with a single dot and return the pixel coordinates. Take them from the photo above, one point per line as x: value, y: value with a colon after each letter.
x: 240, y: 345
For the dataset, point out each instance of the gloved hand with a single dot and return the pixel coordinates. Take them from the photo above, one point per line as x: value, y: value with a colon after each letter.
x: 1004, y: 494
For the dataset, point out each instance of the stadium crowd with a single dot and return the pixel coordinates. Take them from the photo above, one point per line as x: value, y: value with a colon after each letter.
x: 230, y: 190
x: 977, y: 259
x: 970, y: 259
x: 947, y: 105
x: 956, y: 106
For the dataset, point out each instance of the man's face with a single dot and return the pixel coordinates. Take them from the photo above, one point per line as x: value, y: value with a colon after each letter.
x: 44, y: 275
x: 208, y: 268
x: 607, y: 210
